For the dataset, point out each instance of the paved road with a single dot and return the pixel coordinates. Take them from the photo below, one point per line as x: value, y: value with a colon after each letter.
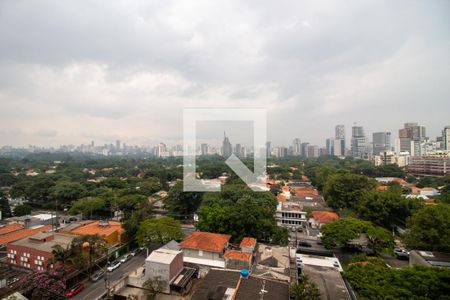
x: 96, y: 289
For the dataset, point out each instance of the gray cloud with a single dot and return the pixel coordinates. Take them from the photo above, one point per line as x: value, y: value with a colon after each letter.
x: 127, y: 70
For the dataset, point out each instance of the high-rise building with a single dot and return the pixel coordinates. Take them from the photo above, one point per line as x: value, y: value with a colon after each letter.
x: 305, y: 149
x: 446, y: 138
x: 118, y: 145
x: 268, y: 149
x: 339, y: 147
x: 312, y: 151
x: 381, y: 142
x: 358, y: 142
x: 204, y: 149
x: 237, y: 150
x: 296, y: 147
x: 329, y: 145
x: 411, y: 137
x: 339, y: 134
x: 227, y: 148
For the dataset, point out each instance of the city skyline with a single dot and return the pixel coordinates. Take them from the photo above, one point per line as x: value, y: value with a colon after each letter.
x: 312, y: 70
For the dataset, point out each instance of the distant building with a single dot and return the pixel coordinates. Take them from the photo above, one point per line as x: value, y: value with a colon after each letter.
x: 446, y: 138
x: 290, y: 214
x: 312, y: 151
x: 329, y: 145
x: 410, y: 137
x: 358, y: 142
x: 36, y: 251
x: 381, y: 142
x: 437, y: 164
x: 204, y: 149
x: 227, y: 148
x: 340, y: 137
x: 296, y: 147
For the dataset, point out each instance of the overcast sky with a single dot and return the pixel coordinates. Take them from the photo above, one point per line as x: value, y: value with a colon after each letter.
x: 76, y: 71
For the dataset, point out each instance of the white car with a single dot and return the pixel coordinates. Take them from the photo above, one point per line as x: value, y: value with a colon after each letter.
x: 113, y: 266
x: 125, y: 258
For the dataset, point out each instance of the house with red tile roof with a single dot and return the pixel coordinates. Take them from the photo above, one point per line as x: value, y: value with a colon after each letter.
x: 322, y: 217
x: 205, y: 249
x: 248, y: 244
x: 111, y: 231
x: 235, y: 259
x: 10, y: 228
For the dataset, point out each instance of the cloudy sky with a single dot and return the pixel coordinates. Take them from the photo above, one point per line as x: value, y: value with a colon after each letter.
x: 76, y: 71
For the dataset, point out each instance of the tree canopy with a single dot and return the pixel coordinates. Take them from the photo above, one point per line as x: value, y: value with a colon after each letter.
x: 158, y: 231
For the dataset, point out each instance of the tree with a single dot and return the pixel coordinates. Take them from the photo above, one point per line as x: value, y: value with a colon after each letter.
x: 342, y: 231
x: 182, y: 204
x: 87, y: 249
x: 22, y: 210
x: 305, y: 289
x: 87, y: 206
x: 154, y: 286
x: 133, y: 220
x: 150, y: 186
x: 44, y: 285
x: 67, y: 191
x: 344, y: 190
x: 61, y: 256
x: 371, y: 278
x: 386, y: 208
x: 429, y: 229
x: 158, y: 231
x: 4, y: 206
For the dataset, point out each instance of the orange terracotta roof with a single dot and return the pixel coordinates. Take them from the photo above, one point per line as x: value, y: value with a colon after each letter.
x: 206, y: 241
x: 248, y: 242
x: 382, y: 188
x: 324, y: 217
x: 300, y: 191
x: 304, y: 178
x: 400, y: 180
x: 20, y: 234
x: 235, y: 254
x: 285, y: 188
x: 281, y: 198
x: 10, y: 228
x: 95, y: 228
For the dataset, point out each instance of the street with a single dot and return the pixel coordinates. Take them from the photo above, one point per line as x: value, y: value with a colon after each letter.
x: 96, y: 289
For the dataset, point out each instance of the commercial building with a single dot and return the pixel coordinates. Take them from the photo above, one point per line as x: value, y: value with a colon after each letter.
x: 290, y: 214
x: 381, y: 142
x: 437, y: 164
x: 296, y: 147
x: 227, y: 148
x: 446, y: 138
x: 339, y: 140
x: 358, y: 142
x: 35, y: 252
x: 22, y: 233
x: 410, y: 138
x: 111, y: 231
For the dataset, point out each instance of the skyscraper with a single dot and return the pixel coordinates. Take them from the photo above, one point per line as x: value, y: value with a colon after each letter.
x: 381, y: 142
x: 329, y: 144
x: 339, y: 135
x: 237, y: 150
x: 305, y: 149
x: 268, y: 149
x: 296, y: 147
x: 358, y: 141
x: 446, y: 137
x: 227, y: 148
x: 410, y: 137
x: 204, y: 149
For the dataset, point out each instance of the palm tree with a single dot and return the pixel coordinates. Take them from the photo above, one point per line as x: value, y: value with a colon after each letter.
x: 63, y: 256
x: 87, y: 249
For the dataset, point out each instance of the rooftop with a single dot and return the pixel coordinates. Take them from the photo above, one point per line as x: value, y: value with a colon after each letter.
x: 96, y: 227
x: 19, y: 234
x: 207, y: 241
x: 63, y: 240
x: 262, y: 288
x: 236, y: 254
x: 329, y: 282
x: 324, y: 217
x: 163, y: 255
x: 10, y: 228
x: 248, y: 242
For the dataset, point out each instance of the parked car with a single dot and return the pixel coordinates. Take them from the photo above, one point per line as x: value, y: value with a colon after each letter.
x: 134, y: 252
x: 125, y: 258
x: 114, y: 265
x: 75, y: 290
x: 97, y: 275
x: 401, y: 254
x: 304, y: 244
